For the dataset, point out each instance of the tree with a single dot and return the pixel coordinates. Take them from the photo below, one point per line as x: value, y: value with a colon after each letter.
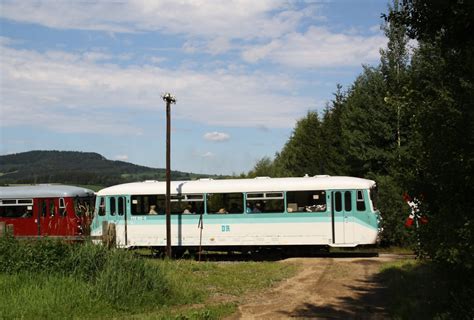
x: 442, y: 95
x: 394, y: 67
x: 303, y: 152
x: 368, y: 125
x: 333, y: 156
x: 263, y: 167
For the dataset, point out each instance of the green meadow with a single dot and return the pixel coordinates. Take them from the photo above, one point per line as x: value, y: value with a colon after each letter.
x: 53, y: 280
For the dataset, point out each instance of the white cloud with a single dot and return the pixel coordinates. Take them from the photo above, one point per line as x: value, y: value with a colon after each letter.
x: 317, y: 48
x: 121, y: 157
x: 73, y: 93
x: 245, y: 19
x: 157, y: 60
x: 208, y: 155
x: 216, y: 136
x: 213, y: 27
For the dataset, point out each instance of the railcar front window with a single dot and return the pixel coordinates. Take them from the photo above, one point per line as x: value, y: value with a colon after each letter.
x: 360, y: 201
x: 374, y: 197
x: 83, y: 206
x: 306, y: 201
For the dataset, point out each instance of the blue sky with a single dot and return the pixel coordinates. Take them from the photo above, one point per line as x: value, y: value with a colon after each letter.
x: 88, y: 75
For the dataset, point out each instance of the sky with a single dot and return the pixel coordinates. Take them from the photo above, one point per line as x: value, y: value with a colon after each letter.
x: 88, y: 75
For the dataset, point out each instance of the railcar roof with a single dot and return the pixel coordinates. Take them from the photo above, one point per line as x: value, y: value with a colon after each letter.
x: 43, y: 191
x: 260, y: 184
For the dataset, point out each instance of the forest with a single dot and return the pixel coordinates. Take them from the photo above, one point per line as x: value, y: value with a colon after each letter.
x: 77, y: 168
x: 406, y: 123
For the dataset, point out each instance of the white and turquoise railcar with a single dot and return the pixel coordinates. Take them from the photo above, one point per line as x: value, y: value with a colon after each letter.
x: 240, y: 213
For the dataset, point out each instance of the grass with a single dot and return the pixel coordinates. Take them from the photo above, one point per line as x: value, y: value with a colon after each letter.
x: 43, y: 296
x: 54, y: 280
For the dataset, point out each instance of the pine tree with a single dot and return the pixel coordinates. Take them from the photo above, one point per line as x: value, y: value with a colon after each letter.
x: 303, y: 152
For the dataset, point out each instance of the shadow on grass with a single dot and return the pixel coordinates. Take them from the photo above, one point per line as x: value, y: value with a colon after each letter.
x: 408, y: 290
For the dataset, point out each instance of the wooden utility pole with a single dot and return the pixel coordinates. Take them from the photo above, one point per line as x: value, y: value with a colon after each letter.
x: 169, y: 100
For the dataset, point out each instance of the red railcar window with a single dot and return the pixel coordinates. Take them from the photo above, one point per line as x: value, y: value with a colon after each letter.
x: 62, y: 207
x: 16, y: 212
x: 52, y: 208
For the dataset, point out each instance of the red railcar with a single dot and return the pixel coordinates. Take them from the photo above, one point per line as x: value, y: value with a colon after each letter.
x: 47, y: 209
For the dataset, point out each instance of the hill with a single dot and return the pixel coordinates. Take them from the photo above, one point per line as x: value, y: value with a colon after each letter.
x: 77, y: 168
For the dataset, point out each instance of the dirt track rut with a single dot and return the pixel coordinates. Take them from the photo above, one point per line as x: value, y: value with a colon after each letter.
x: 325, y: 288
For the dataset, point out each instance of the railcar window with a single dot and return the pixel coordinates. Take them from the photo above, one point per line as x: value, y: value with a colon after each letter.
x: 148, y: 205
x: 121, y: 206
x: 267, y: 202
x: 374, y: 197
x: 187, y: 204
x: 113, y: 206
x: 360, y: 201
x: 102, y: 207
x: 43, y: 208
x: 338, y: 200
x: 52, y: 209
x: 8, y: 201
x: 306, y: 201
x: 62, y: 207
x: 16, y: 211
x: 83, y: 206
x: 348, y: 201
x: 225, y: 203
x: 25, y: 201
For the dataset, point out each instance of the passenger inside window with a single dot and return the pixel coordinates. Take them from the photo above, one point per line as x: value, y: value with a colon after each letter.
x: 225, y: 203
x: 190, y: 208
x: 257, y: 208
x: 306, y: 201
x: 16, y: 212
x: 152, y: 209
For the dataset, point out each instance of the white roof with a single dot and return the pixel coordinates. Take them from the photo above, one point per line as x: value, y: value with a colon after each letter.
x: 43, y: 191
x: 260, y: 184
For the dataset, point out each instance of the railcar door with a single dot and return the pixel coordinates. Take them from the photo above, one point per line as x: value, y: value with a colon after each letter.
x: 342, y: 217
x: 47, y: 214
x: 99, y: 215
x: 117, y: 209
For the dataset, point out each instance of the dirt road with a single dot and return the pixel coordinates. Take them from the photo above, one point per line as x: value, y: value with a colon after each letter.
x: 325, y: 288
